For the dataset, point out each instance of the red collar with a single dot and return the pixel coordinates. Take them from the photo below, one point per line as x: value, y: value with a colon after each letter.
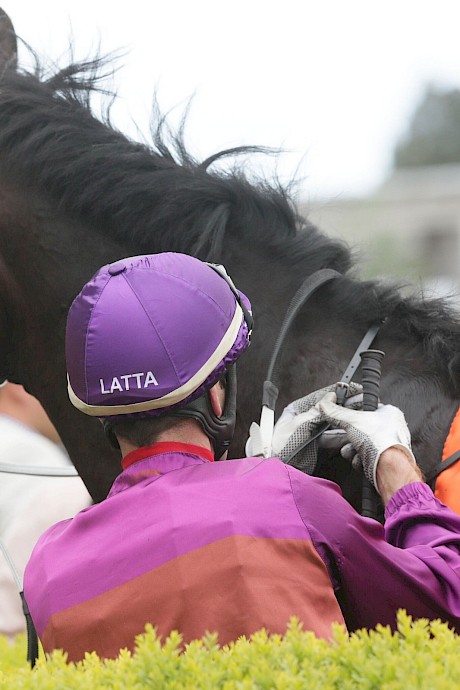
x: 165, y: 447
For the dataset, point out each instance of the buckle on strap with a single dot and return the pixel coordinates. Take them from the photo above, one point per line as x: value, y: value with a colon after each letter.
x: 341, y: 391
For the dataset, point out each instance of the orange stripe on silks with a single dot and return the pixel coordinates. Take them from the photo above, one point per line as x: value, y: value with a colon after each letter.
x: 447, y: 487
x: 234, y: 586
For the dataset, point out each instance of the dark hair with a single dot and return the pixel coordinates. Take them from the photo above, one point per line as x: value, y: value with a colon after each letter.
x: 144, y: 431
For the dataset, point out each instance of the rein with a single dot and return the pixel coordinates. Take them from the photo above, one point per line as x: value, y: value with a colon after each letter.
x: 271, y: 388
x: 40, y: 471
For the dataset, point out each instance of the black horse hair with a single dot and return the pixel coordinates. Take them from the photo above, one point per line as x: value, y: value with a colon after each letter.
x: 51, y: 141
x: 52, y: 144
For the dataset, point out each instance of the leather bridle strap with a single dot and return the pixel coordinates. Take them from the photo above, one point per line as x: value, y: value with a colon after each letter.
x: 446, y: 485
x: 441, y: 466
x: 270, y: 388
x: 355, y: 361
x: 342, y: 385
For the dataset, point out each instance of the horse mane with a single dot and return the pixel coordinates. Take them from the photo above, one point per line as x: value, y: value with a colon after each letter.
x: 53, y: 145
x: 51, y: 142
x: 15, y: 318
x: 433, y: 322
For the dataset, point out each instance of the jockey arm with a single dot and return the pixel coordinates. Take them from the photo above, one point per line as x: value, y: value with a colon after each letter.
x: 394, y: 471
x: 411, y: 563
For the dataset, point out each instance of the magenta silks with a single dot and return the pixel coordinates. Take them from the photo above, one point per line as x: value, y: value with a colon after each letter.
x: 233, y: 546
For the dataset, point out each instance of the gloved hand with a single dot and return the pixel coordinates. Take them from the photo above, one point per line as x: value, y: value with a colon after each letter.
x: 368, y: 433
x: 299, y: 422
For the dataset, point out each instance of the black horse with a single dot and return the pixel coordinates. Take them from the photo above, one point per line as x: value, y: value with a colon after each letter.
x: 75, y: 194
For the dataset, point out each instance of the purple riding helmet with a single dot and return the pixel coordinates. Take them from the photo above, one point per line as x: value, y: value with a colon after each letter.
x: 151, y: 334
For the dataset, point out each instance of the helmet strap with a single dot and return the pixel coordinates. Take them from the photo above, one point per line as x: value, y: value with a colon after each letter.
x: 107, y: 425
x: 219, y: 430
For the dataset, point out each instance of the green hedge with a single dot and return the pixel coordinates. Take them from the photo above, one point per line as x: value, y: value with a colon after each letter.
x: 419, y: 655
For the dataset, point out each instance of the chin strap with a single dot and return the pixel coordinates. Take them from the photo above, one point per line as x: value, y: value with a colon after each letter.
x: 219, y: 430
x: 107, y: 425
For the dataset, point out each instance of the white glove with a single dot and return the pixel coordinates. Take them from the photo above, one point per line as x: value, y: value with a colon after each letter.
x: 368, y: 433
x: 299, y: 422
x: 293, y: 429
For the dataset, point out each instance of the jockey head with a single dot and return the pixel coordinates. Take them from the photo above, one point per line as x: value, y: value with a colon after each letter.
x: 150, y: 335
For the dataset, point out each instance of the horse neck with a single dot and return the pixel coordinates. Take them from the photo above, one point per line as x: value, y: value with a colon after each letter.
x: 51, y: 258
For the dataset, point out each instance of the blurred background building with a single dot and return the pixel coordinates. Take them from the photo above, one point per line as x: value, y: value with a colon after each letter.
x: 409, y: 228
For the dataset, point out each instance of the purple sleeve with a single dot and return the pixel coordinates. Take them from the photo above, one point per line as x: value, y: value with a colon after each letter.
x: 412, y: 563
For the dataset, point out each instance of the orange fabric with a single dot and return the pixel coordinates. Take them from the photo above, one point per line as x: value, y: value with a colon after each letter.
x: 233, y: 586
x: 447, y: 487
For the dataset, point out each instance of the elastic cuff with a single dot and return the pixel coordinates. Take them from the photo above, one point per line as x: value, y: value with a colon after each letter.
x: 415, y: 494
